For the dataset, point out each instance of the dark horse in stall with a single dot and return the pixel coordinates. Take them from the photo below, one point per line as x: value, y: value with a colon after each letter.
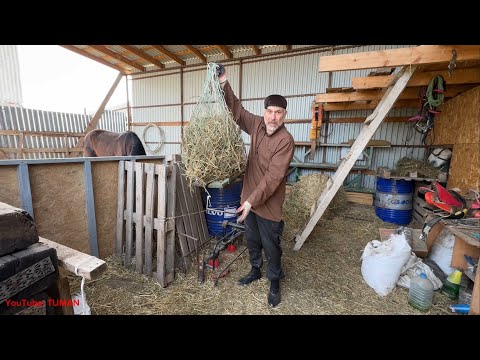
x: 106, y: 143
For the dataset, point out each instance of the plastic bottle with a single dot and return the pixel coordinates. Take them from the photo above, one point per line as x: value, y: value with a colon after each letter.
x: 451, y: 285
x: 421, y: 292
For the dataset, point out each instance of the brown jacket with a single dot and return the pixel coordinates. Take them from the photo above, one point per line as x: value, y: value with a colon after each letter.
x: 268, y: 160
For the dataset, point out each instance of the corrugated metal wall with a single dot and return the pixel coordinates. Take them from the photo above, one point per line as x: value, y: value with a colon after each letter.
x: 23, y: 119
x: 294, y: 76
x: 10, y: 85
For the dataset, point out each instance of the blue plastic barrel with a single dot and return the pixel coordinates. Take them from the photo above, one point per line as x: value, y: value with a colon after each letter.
x: 223, y: 204
x: 393, y: 200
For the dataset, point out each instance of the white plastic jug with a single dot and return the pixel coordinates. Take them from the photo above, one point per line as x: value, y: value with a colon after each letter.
x: 421, y: 292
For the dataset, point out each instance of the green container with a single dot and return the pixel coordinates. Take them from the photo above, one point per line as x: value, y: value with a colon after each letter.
x: 450, y: 289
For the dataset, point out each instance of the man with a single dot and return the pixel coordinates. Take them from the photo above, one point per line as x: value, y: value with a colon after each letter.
x: 263, y: 193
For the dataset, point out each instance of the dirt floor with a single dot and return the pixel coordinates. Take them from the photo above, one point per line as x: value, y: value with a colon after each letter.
x: 323, y: 277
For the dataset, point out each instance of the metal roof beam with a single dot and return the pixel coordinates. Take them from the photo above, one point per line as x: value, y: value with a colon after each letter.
x: 197, y: 53
x: 143, y: 55
x: 169, y: 54
x: 117, y: 56
x: 225, y: 50
x: 96, y: 58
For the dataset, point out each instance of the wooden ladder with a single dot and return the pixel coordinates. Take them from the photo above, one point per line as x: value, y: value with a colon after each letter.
x: 371, y: 124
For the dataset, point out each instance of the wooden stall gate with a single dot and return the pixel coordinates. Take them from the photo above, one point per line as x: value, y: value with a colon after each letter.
x: 146, y: 198
x: 153, y: 200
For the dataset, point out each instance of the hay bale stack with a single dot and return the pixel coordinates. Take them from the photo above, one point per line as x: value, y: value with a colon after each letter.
x: 407, y: 165
x: 302, y: 196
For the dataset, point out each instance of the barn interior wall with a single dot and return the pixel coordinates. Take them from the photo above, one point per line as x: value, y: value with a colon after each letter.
x: 59, y: 201
x: 170, y: 96
x: 459, y: 125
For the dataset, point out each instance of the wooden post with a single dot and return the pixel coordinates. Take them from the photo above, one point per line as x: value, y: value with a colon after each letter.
x: 98, y: 114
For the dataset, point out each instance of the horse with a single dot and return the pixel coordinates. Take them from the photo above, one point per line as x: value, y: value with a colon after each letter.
x: 107, y: 143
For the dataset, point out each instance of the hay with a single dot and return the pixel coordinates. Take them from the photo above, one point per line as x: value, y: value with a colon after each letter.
x: 212, y: 146
x: 302, y: 196
x: 406, y: 165
x: 323, y: 278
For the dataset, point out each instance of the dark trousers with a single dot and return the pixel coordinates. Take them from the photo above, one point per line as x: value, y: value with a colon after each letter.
x: 264, y: 234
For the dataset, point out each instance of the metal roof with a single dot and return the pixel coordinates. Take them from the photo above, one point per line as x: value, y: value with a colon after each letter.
x: 130, y: 59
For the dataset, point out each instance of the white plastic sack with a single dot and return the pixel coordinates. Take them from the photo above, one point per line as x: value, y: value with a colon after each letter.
x: 442, y: 251
x: 413, y: 267
x: 82, y: 308
x: 382, y: 262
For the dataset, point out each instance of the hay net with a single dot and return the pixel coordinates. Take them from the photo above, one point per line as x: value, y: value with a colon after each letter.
x: 212, y: 146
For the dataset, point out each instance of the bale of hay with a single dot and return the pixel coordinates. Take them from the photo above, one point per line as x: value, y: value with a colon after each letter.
x: 212, y: 146
x: 407, y: 165
x: 302, y: 196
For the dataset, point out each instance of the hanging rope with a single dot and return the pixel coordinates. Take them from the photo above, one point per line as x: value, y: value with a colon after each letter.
x: 161, y: 136
x: 435, y: 93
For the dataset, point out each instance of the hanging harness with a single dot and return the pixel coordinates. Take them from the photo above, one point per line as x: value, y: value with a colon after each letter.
x: 431, y: 97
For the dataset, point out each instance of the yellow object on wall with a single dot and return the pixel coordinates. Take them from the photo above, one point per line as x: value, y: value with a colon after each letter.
x: 317, y: 115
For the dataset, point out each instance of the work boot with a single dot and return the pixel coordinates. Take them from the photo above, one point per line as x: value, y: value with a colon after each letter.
x: 274, y: 296
x: 253, y: 275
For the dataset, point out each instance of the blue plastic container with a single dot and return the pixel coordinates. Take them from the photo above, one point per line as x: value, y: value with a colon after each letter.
x: 393, y: 201
x: 223, y: 205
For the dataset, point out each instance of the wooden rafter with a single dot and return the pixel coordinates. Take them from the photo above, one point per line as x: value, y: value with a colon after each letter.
x: 143, y: 55
x: 461, y: 76
x: 369, y: 95
x: 121, y: 58
x: 96, y: 58
x: 225, y: 50
x: 197, y: 53
x: 169, y: 54
x: 256, y: 49
x: 98, y: 114
x: 425, y: 54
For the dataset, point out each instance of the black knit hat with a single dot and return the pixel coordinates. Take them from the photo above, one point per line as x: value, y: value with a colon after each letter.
x: 275, y: 100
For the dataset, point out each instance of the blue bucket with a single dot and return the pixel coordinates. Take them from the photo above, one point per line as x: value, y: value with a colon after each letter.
x: 223, y: 205
x: 393, y: 201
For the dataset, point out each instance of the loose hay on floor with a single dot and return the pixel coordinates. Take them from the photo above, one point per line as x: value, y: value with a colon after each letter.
x: 323, y: 277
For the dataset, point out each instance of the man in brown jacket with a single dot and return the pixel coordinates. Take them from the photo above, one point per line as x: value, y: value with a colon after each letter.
x: 263, y: 192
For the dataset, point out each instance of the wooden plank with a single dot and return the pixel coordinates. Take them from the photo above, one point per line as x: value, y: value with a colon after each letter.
x: 24, y: 188
x: 90, y: 208
x: 139, y: 238
x: 475, y: 303
x: 40, y: 133
x: 182, y: 202
x: 464, y: 235
x: 129, y: 215
x: 120, y: 235
x: 460, y: 76
x: 418, y: 217
x: 461, y: 248
x: 370, y: 95
x: 425, y: 54
x: 161, y: 216
x: 412, y: 104
x: 190, y: 209
x: 351, y: 157
x: 182, y: 239
x: 170, y: 235
x: 63, y: 288
x: 90, y: 267
x: 149, y: 208
x: 93, y: 123
x: 433, y: 234
x: 201, y: 213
